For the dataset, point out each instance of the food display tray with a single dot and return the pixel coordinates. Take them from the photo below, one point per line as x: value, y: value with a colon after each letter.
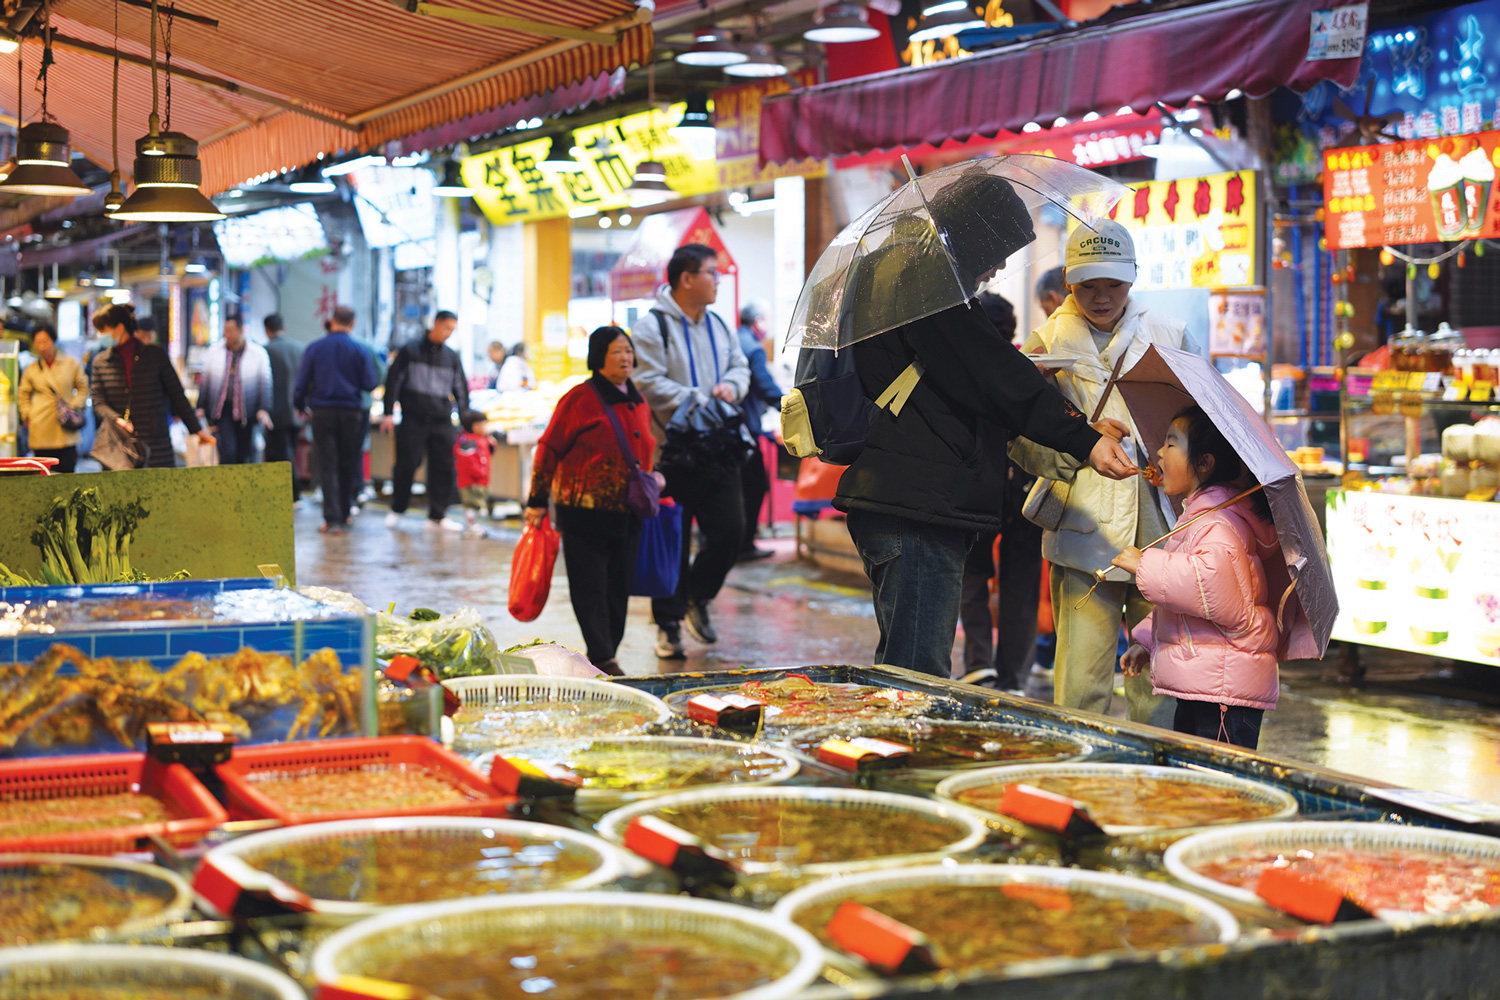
x: 162, y: 644
x: 195, y: 812
x: 361, y: 753
x: 172, y: 889
x: 526, y: 692
x: 48, y: 971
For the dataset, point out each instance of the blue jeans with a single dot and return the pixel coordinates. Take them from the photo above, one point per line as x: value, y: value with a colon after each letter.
x: 916, y: 571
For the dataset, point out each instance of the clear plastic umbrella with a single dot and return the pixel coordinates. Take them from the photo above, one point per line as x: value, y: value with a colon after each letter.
x: 934, y: 242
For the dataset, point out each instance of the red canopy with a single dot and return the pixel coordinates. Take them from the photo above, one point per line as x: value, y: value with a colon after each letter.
x: 643, y: 268
x: 1251, y: 45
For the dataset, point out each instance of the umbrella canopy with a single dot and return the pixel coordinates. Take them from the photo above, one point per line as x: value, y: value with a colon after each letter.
x: 1165, y: 382
x: 932, y: 244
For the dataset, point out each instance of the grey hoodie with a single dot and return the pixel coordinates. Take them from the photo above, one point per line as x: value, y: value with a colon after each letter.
x: 663, y: 373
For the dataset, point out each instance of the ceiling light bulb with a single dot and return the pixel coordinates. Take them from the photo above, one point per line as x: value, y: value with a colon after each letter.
x: 841, y: 22
x: 942, y: 24
x: 166, y: 182
x: 604, y: 222
x: 624, y: 218
x: 712, y: 48
x: 559, y: 158
x: 760, y: 61
x: 42, y: 163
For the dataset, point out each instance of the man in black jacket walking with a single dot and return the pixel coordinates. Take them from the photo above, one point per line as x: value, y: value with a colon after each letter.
x: 427, y: 379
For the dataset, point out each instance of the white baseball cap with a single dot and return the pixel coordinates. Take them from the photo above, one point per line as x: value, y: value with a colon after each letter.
x: 1104, y: 251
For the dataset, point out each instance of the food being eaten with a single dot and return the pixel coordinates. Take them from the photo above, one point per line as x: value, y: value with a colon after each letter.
x: 60, y: 902
x: 71, y: 813
x: 375, y: 787
x: 1137, y: 801
x: 578, y: 965
x: 983, y: 928
x: 1403, y: 879
x: 396, y: 867
x: 803, y: 832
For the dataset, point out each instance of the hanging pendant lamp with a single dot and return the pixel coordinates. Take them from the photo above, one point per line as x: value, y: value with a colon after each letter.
x: 115, y: 198
x: 43, y: 148
x: 167, y: 169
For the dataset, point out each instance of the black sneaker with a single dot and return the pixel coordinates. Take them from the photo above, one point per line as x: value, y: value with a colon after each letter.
x: 754, y: 553
x: 669, y: 641
x: 698, y: 625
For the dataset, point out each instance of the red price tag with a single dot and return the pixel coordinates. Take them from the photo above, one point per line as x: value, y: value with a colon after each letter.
x: 364, y: 988
x: 731, y: 711
x: 248, y: 894
x: 533, y: 780
x: 673, y: 847
x: 1307, y: 898
x: 1047, y: 811
x: 863, y: 753
x: 885, y: 942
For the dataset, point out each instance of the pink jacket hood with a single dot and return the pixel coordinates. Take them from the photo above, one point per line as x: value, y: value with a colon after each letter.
x: 1213, y: 635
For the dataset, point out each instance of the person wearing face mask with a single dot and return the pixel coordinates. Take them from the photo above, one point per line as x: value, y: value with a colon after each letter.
x: 1106, y: 331
x: 135, y: 385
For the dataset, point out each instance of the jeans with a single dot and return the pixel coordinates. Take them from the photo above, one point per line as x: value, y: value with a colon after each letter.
x: 433, y: 440
x: 712, y: 498
x: 599, y: 569
x: 338, y: 437
x: 281, y: 446
x: 916, y: 571
x: 1234, y: 724
x: 236, y: 441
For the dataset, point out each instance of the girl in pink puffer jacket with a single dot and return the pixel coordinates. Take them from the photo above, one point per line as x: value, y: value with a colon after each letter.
x: 1211, y: 642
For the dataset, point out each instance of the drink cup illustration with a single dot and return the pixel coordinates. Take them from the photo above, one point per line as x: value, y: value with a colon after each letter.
x: 1479, y: 176
x: 1445, y: 185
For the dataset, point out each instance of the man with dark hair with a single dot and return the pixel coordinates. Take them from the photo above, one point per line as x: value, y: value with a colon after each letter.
x: 427, y: 379
x: 234, y: 392
x: 1051, y: 290
x: 683, y: 350
x: 333, y: 373
x: 764, y: 394
x: 286, y: 358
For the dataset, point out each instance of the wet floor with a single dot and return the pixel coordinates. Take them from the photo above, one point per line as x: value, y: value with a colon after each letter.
x: 1413, y: 721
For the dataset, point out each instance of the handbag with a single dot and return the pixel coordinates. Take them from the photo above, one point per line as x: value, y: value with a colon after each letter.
x: 1048, y: 499
x: 69, y: 418
x: 531, y: 570
x: 643, y: 491
x: 706, y: 433
x: 658, y: 559
x: 117, y: 450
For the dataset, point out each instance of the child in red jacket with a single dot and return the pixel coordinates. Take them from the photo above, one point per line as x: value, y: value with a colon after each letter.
x: 472, y: 457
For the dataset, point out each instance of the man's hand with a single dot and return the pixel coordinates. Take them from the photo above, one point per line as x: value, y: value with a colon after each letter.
x: 534, y: 515
x: 1129, y: 559
x: 726, y: 392
x: 205, y: 436
x: 1111, y: 428
x: 304, y: 416
x: 387, y: 423
x: 265, y: 419
x: 1109, y: 460
x: 1135, y: 660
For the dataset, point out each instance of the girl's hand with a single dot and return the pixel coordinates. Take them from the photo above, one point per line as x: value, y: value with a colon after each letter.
x: 1135, y: 660
x: 1129, y: 560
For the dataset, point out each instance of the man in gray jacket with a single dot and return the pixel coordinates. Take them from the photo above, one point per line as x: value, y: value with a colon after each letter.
x: 682, y: 349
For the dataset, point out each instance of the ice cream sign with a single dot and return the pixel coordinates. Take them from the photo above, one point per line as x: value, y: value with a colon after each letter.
x: 1423, y: 191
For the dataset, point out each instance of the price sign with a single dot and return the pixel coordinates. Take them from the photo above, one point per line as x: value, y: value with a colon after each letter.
x: 1479, y: 392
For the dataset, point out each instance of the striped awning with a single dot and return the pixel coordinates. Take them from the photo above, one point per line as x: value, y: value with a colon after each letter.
x: 309, y: 78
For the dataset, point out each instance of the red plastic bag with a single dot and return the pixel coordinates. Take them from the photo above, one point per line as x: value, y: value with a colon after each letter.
x: 531, y: 570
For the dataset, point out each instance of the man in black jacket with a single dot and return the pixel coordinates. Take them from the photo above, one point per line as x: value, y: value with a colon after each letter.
x: 427, y: 379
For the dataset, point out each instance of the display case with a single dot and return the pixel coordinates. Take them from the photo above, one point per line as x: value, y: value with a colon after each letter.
x: 1414, y: 534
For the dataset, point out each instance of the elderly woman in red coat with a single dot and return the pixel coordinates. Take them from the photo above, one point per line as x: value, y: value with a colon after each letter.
x: 581, y: 467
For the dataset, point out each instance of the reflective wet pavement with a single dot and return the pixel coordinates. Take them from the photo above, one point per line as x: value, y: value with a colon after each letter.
x: 1418, y: 722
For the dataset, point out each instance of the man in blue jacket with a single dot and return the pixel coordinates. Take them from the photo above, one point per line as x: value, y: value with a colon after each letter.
x: 335, y: 371
x: 764, y: 394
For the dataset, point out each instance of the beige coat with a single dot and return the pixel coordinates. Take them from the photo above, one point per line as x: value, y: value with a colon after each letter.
x: 41, y: 387
x: 1100, y: 518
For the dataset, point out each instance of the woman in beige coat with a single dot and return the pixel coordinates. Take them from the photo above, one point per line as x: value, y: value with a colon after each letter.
x: 52, y: 376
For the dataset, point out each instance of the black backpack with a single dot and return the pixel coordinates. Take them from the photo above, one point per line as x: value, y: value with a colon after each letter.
x: 827, y: 413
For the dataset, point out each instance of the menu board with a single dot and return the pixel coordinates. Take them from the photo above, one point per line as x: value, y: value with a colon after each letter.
x: 1197, y: 232
x: 1422, y: 191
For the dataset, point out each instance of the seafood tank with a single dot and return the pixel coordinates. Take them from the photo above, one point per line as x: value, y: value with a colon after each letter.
x: 84, y: 669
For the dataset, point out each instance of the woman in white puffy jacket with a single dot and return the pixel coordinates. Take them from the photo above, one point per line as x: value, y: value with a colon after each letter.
x: 1096, y: 324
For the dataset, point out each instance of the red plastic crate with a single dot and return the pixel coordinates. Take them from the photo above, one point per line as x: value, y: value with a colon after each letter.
x: 359, y: 753
x: 194, y: 811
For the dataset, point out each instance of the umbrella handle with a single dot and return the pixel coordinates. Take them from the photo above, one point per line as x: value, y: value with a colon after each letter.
x: 1099, y: 574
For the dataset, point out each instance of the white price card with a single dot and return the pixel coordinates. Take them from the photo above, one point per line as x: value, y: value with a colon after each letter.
x: 1338, y: 32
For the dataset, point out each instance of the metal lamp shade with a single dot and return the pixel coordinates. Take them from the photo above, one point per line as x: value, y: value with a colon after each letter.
x: 760, y: 61
x: 945, y: 23
x: 712, y: 48
x: 166, y: 184
x: 649, y: 187
x: 42, y: 157
x: 841, y: 22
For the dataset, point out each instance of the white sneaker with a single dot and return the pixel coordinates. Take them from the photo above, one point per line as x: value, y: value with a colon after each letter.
x: 477, y: 530
x: 446, y: 524
x: 393, y: 520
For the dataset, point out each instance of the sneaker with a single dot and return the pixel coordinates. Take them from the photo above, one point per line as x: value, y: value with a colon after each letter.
x: 1044, y: 674
x: 393, y: 520
x: 333, y: 529
x: 477, y: 530
x: 446, y: 524
x: 669, y: 641
x: 698, y: 625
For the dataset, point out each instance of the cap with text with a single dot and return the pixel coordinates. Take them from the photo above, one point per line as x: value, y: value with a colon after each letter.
x: 1104, y: 251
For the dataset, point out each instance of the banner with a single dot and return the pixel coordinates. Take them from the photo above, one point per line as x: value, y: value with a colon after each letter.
x: 737, y: 132
x: 1425, y: 191
x: 1193, y: 233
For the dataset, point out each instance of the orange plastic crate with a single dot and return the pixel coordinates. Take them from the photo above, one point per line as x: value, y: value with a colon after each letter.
x: 246, y: 800
x: 194, y: 811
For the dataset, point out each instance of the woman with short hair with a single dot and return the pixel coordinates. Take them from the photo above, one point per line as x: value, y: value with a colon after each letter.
x: 52, y: 378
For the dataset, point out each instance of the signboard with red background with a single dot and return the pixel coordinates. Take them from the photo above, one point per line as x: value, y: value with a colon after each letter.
x: 1422, y: 191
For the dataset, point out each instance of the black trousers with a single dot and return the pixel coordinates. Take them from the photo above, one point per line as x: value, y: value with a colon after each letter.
x: 236, y: 440
x: 1234, y: 724
x: 338, y: 437
x: 754, y: 485
x: 712, y: 497
x: 67, y: 458
x: 281, y: 446
x: 1019, y: 591
x: 434, y: 441
x: 599, y: 569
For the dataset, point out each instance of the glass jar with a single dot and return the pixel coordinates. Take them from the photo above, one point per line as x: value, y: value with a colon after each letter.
x: 1438, y: 353
x: 1406, y: 351
x: 1463, y: 365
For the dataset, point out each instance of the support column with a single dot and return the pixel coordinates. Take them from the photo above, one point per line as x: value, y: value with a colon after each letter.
x: 446, y: 271
x: 549, y: 284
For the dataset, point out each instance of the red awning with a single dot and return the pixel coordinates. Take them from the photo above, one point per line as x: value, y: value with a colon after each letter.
x: 643, y: 268
x: 1251, y: 45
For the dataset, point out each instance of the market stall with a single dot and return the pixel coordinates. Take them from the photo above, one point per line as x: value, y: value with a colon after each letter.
x: 643, y: 268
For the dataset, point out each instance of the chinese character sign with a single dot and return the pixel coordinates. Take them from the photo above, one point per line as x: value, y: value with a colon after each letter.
x: 737, y: 132
x: 1193, y: 233
x: 1411, y: 192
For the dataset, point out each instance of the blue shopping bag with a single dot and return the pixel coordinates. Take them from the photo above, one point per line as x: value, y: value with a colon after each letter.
x: 659, y: 559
